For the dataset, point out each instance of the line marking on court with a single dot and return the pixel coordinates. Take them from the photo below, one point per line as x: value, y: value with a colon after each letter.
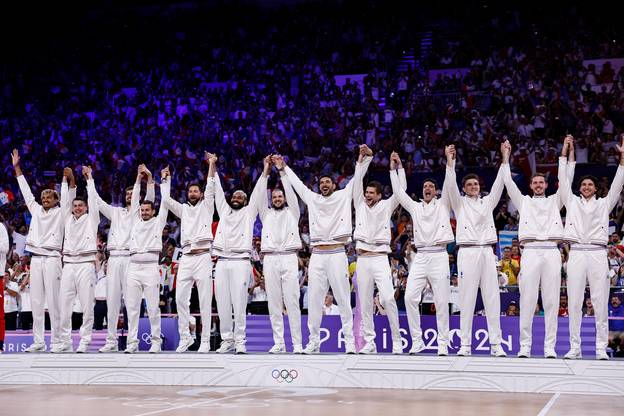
x: 187, y: 406
x: 11, y: 387
x: 548, y: 405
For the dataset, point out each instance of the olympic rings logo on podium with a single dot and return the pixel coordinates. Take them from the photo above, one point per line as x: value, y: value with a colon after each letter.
x: 287, y: 376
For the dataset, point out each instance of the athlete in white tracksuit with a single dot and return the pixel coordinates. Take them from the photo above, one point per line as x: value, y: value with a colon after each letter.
x: 143, y: 275
x: 372, y: 234
x: 329, y: 215
x: 540, y: 230
x: 45, y: 241
x: 118, y: 244
x: 232, y: 245
x: 196, y: 263
x: 476, y: 262
x: 280, y: 243
x: 78, y: 278
x: 431, y: 233
x: 587, y: 229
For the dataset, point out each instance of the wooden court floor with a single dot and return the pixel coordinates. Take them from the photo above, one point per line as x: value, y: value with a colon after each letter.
x: 46, y: 400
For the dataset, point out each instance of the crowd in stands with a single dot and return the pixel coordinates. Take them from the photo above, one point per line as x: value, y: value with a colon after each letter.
x: 247, y: 83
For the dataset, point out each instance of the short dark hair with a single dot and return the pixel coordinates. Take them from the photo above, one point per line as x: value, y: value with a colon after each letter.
x: 374, y: 184
x: 129, y: 188
x: 590, y: 177
x: 193, y: 184
x: 81, y: 199
x: 536, y: 174
x: 150, y: 203
x: 469, y: 177
x: 433, y: 181
x: 326, y: 176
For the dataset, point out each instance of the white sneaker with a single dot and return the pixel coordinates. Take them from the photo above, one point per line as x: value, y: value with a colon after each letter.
x: 83, y: 347
x: 525, y: 352
x: 204, y: 348
x: 350, y: 348
x: 312, y: 348
x: 277, y: 349
x: 573, y: 354
x: 109, y: 347
x: 297, y: 349
x: 497, y: 351
x: 416, y: 348
x: 61, y: 348
x: 155, y: 348
x: 369, y: 348
x: 184, y: 344
x: 36, y: 348
x: 132, y: 348
x: 226, y: 346
x: 550, y: 353
x: 464, y: 351
x: 397, y: 346
x: 241, y: 349
x: 602, y: 355
x: 442, y: 350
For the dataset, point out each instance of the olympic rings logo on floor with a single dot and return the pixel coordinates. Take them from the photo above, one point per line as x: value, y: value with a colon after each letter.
x: 287, y: 376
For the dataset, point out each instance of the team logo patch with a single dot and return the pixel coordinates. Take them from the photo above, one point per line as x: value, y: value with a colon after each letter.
x: 287, y: 376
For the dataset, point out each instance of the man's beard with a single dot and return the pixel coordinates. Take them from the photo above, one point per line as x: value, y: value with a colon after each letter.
x: 237, y: 205
x: 281, y: 207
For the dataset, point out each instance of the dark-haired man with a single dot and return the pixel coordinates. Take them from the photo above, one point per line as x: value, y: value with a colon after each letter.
x: 78, y: 278
x: 45, y: 242
x: 143, y: 275
x: 587, y: 229
x: 118, y: 245
x: 476, y: 261
x: 196, y: 262
x: 280, y: 243
x: 330, y: 221
x: 432, y: 232
x: 372, y: 236
x: 540, y: 230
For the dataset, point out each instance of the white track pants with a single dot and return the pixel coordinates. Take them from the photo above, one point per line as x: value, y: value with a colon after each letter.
x: 231, y: 285
x: 194, y: 268
x: 432, y: 267
x: 375, y: 270
x: 539, y: 267
x: 282, y: 288
x: 45, y: 284
x: 78, y: 279
x: 143, y: 280
x: 116, y: 280
x: 477, y: 269
x: 592, y: 266
x: 325, y: 270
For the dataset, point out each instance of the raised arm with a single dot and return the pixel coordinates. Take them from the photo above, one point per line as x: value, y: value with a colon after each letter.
x: 291, y: 197
x: 163, y: 210
x: 397, y: 172
x: 498, y: 186
x: 258, y: 196
x: 450, y: 190
x: 221, y: 203
x: 258, y: 199
x: 92, y: 196
x: 512, y: 189
x: 399, y: 193
x: 616, y: 186
x: 565, y: 183
x: 304, y: 193
x: 209, y: 192
x: 165, y: 194
x: 67, y: 196
x: 364, y: 159
x: 27, y: 194
x: 150, y: 193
